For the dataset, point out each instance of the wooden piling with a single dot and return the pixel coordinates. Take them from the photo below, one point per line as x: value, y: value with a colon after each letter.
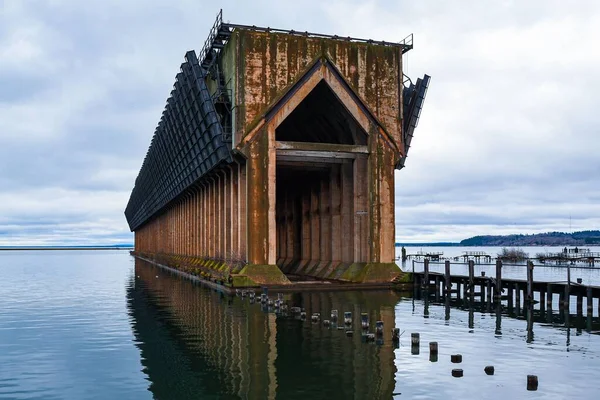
x: 529, y: 281
x: 498, y: 289
x: 532, y: 382
x: 457, y: 373
x: 590, y: 301
x: 518, y: 297
x: 548, y: 297
x: 448, y: 282
x: 433, y: 347
x: 489, y: 291
x: 426, y: 273
x: 510, y: 295
x: 471, y: 277
x: 579, y: 303
x: 567, y: 296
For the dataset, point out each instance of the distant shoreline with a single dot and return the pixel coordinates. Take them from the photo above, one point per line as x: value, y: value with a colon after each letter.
x: 29, y: 248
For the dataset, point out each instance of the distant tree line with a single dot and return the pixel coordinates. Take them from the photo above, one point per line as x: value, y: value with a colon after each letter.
x: 539, y: 239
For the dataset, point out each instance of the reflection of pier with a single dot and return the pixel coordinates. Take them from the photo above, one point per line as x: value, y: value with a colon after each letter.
x: 195, y: 340
x: 546, y: 313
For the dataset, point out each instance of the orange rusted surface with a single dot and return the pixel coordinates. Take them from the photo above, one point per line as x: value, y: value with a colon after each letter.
x: 334, y: 224
x: 268, y: 63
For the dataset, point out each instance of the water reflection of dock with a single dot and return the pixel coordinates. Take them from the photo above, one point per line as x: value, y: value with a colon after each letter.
x: 232, y: 348
x: 560, y: 317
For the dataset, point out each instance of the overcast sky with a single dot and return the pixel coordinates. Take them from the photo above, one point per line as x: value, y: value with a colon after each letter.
x: 507, y: 142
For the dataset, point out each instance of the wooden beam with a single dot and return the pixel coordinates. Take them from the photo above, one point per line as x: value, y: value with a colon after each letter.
x: 320, y: 148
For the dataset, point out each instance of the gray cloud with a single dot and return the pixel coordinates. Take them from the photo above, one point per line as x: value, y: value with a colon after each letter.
x: 507, y: 141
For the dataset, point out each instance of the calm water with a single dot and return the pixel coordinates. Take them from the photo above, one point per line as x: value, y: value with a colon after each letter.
x: 97, y: 325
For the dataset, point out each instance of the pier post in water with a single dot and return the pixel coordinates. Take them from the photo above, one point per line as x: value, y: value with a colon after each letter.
x: 529, y: 281
x: 579, y: 303
x: 426, y: 274
x: 498, y: 289
x: 548, y: 297
x: 517, y: 297
x: 448, y: 282
x: 489, y: 291
x: 590, y: 301
x: 510, y: 295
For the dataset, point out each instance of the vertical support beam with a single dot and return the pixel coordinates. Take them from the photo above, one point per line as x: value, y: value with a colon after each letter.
x: 325, y: 220
x: 219, y: 216
x: 235, y: 209
x: 211, y: 218
x: 362, y: 213
x: 548, y: 297
x: 336, y: 216
x: 590, y: 301
x: 380, y: 177
x: 529, y: 281
x: 447, y: 281
x: 243, y: 211
x: 315, y: 225
x: 498, y: 289
x: 306, y: 243
x: 426, y: 273
x: 471, y: 278
x: 291, y: 237
x: 227, y: 247
x: 261, y: 232
x: 347, y: 213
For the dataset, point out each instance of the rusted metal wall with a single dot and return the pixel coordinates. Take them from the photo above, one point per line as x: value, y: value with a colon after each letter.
x: 267, y: 63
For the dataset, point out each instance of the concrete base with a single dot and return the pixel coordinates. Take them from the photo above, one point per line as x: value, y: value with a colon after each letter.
x: 372, y: 273
x: 253, y: 275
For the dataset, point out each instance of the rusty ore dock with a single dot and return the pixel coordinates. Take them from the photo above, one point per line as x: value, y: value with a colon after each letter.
x: 273, y: 161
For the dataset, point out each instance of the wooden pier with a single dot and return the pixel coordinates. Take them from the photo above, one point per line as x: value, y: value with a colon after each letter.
x: 516, y: 292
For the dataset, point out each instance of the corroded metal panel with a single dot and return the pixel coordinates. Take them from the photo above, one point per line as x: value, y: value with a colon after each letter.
x: 268, y: 63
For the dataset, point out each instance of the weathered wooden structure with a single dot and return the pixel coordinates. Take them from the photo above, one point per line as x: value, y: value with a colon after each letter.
x: 275, y: 156
x: 496, y: 289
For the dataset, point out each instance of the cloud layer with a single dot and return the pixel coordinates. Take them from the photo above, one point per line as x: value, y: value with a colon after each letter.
x: 507, y: 141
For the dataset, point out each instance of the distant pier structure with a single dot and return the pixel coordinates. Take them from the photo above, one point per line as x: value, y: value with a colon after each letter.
x: 275, y: 156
